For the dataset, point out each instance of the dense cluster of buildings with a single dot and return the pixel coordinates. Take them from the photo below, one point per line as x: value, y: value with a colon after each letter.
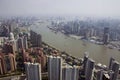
x: 98, y: 30
x: 15, y: 49
x: 8, y: 48
x: 59, y: 70
x: 28, y: 54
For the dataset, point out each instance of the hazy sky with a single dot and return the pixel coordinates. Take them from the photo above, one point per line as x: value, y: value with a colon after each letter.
x: 60, y: 7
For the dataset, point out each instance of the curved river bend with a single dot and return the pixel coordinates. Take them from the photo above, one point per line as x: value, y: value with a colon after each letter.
x: 99, y: 53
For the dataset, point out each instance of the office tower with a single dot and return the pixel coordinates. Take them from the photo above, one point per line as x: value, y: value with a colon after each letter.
x: 36, y: 39
x: 54, y: 68
x: 39, y: 40
x: 89, y: 69
x: 33, y: 71
x: 115, y: 68
x: 110, y: 64
x: 25, y: 43
x: 106, y: 36
x: 32, y: 37
x: 86, y: 55
x: 70, y: 73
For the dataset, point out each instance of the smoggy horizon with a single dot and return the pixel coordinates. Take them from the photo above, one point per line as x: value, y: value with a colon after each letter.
x: 100, y: 8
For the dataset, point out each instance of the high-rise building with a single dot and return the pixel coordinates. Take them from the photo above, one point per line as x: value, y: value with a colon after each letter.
x: 106, y: 36
x: 111, y: 73
x: 89, y: 69
x: 12, y: 26
x: 5, y: 32
x: 10, y: 63
x: 2, y: 64
x: 33, y: 37
x: 9, y: 47
x: 39, y: 40
x: 11, y: 36
x: 70, y: 73
x: 115, y: 68
x: 36, y: 39
x: 33, y: 71
x: 7, y: 63
x: 100, y: 74
x: 67, y: 71
x: 86, y: 56
x: 111, y: 62
x: 25, y: 43
x: 54, y: 68
x: 20, y: 43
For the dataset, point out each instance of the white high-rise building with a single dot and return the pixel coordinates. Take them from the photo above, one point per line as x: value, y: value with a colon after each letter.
x: 75, y: 73
x: 54, y: 68
x: 33, y: 71
x: 70, y: 73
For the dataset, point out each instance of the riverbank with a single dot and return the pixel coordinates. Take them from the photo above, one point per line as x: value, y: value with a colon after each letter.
x: 111, y: 45
x: 75, y: 47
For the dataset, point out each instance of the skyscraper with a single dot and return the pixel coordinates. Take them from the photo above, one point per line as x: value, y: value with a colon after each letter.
x: 89, y: 69
x: 115, y: 68
x: 106, y: 36
x: 20, y: 43
x: 10, y: 63
x: 25, y: 43
x: 9, y: 47
x: 54, y: 68
x: 111, y: 62
x: 2, y: 64
x: 67, y: 71
x: 36, y: 39
x: 33, y: 71
x: 86, y: 56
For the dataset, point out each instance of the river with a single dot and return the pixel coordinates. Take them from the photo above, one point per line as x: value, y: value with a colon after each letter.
x: 99, y: 53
